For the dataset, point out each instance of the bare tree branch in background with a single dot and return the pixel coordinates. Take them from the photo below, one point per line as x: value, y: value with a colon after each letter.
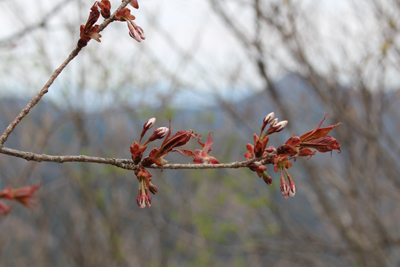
x: 347, y: 211
x: 39, y: 24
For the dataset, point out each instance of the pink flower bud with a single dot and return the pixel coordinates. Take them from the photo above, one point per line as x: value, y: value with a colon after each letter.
x: 148, y: 198
x: 293, y: 189
x: 280, y: 126
x: 153, y: 189
x: 136, y: 32
x: 276, y: 127
x: 149, y: 123
x: 105, y: 7
x: 134, y: 3
x: 269, y: 118
x: 141, y: 199
x: 159, y: 133
x: 267, y: 179
x: 285, y: 189
x: 146, y: 127
x: 141, y: 32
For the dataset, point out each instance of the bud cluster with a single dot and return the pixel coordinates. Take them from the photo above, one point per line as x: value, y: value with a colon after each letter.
x: 90, y: 30
x: 156, y: 155
x: 260, y: 145
x: 294, y: 147
x: 144, y: 199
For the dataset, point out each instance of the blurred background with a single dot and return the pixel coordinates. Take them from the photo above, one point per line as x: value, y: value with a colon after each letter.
x: 209, y: 65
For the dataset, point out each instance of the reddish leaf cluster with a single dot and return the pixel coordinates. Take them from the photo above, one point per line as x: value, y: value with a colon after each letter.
x: 135, y: 31
x: 144, y: 199
x: 105, y: 7
x: 317, y: 139
x: 157, y: 155
x: 294, y: 147
x: 90, y: 30
x: 201, y: 156
x: 260, y: 143
x: 23, y: 195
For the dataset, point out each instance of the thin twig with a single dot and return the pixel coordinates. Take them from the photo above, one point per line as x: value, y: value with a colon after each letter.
x: 128, y: 164
x: 45, y: 89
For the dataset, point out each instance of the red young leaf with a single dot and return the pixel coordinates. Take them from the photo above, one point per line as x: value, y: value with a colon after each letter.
x: 318, y: 132
x: 185, y: 152
x: 201, y: 156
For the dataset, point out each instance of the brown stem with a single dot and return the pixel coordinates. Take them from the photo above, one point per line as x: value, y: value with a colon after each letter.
x: 45, y: 89
x: 127, y: 163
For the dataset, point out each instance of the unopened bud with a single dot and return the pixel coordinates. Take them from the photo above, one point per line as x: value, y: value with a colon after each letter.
x: 276, y: 127
x: 147, y: 126
x: 141, y: 199
x: 159, y: 133
x: 134, y: 3
x: 267, y: 179
x: 149, y: 123
x: 267, y: 120
x: 280, y: 126
x: 285, y: 189
x: 136, y: 32
x: 153, y: 189
x: 148, y: 198
x: 105, y: 7
x: 292, y: 190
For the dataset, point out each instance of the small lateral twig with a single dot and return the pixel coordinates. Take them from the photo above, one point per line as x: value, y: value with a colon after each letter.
x: 45, y: 89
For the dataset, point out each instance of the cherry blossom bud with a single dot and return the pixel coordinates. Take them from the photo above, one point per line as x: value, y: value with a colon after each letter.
x: 276, y: 127
x: 141, y: 199
x: 149, y: 123
x: 140, y: 31
x: 153, y: 189
x: 147, y: 126
x: 267, y: 179
x: 293, y: 189
x: 280, y: 126
x: 292, y: 186
x: 137, y: 152
x: 159, y: 133
x: 105, y: 7
x: 259, y: 146
x: 267, y: 120
x: 134, y: 3
x: 148, y: 198
x: 285, y: 189
x: 136, y: 32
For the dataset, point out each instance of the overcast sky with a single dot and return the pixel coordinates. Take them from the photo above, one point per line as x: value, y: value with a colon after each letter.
x: 216, y: 52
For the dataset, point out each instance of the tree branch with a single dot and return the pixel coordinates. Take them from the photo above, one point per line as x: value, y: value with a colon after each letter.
x: 128, y: 164
x: 45, y: 89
